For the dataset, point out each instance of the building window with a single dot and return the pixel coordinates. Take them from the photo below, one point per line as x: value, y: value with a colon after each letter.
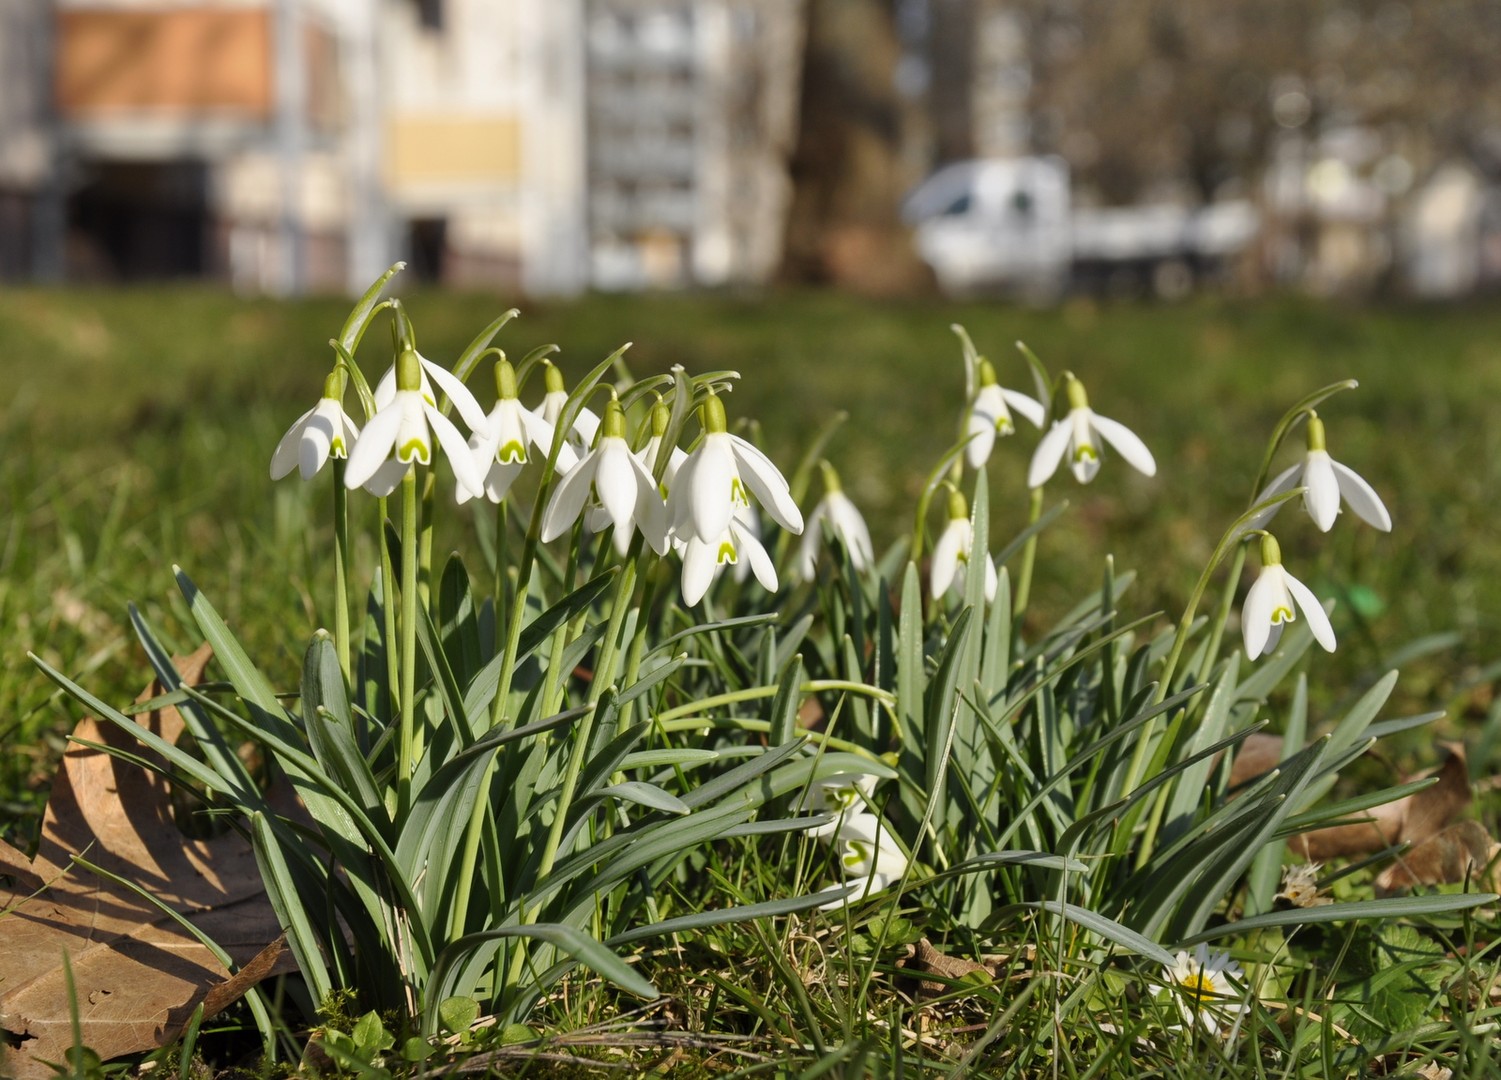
x: 430, y: 15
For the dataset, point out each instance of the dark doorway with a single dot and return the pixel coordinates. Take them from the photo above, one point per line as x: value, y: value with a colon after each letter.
x: 132, y: 221
x: 427, y: 247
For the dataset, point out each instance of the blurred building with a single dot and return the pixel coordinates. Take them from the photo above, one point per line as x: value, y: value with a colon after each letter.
x: 287, y: 145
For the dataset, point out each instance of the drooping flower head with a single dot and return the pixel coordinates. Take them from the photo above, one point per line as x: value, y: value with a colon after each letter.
x: 869, y: 856
x: 324, y: 431
x: 952, y: 555
x: 990, y: 415
x: 846, y: 523
x: 617, y: 478
x: 406, y: 419
x: 585, y: 423
x: 661, y: 416
x: 722, y: 472
x: 1203, y: 986
x: 702, y: 559
x: 1325, y: 483
x: 1080, y: 436
x: 1274, y: 600
x: 500, y: 443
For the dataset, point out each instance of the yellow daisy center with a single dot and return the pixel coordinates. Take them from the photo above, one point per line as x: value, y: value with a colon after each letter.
x: 1198, y: 983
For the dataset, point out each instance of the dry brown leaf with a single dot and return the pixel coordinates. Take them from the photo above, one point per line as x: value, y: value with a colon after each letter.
x: 138, y: 975
x: 1409, y: 820
x: 923, y: 959
x: 1461, y: 851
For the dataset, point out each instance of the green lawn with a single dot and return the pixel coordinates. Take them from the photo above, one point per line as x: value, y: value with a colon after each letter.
x: 139, y: 426
x: 139, y: 423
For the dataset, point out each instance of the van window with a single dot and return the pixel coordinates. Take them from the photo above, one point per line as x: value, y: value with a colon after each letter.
x: 959, y: 206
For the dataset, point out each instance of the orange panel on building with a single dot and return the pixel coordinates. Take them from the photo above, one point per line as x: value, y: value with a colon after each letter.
x: 176, y: 61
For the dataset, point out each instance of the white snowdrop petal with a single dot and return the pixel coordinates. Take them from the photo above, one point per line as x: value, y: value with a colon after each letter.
x: 1049, y: 453
x: 1362, y: 497
x: 313, y: 448
x: 1028, y: 407
x: 285, y: 457
x: 373, y: 446
x: 953, y: 542
x: 1320, y: 490
x: 387, y: 478
x: 463, y: 400
x: 1265, y: 596
x: 1126, y: 443
x: 755, y: 554
x: 699, y: 564
x: 465, y: 471
x: 567, y: 500
x: 766, y: 482
x: 1313, y: 610
x: 499, y: 478
x: 651, y: 513
x: 981, y: 432
x: 709, y: 494
x: 615, y: 482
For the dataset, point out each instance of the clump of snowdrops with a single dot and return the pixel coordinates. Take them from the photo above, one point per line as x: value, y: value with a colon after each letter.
x: 498, y: 768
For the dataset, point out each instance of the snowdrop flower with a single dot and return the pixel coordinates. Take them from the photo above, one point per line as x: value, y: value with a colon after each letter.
x: 661, y: 415
x: 952, y: 554
x: 1325, y: 481
x: 322, y: 432
x: 1203, y: 986
x: 620, y: 482
x: 1078, y: 436
x: 840, y: 794
x: 869, y: 857
x: 1271, y: 603
x: 720, y: 474
x: 585, y: 424
x: 500, y: 443
x: 846, y: 523
x: 990, y: 415
x: 402, y: 429
x: 703, y: 558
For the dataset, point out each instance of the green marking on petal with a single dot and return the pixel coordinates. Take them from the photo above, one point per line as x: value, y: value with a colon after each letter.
x: 727, y: 552
x: 1282, y: 615
x: 1086, y: 451
x: 512, y: 452
x: 737, y: 492
x: 336, y: 448
x: 414, y: 449
x: 1003, y: 425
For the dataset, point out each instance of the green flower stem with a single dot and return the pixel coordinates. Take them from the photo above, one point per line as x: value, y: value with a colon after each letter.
x: 638, y: 642
x: 1222, y: 613
x: 515, y: 615
x: 762, y: 727
x: 755, y: 693
x: 409, y: 733
x: 1029, y: 559
x: 552, y: 693
x: 341, y: 570
x: 425, y: 545
x: 1233, y: 538
x: 625, y: 585
x: 388, y: 607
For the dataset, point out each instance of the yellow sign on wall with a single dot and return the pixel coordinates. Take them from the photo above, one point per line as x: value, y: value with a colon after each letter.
x: 438, y: 149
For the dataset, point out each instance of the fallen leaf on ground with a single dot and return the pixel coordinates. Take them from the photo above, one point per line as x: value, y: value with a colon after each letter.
x: 137, y: 974
x: 1409, y: 820
x: 1462, y: 851
x: 923, y: 959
